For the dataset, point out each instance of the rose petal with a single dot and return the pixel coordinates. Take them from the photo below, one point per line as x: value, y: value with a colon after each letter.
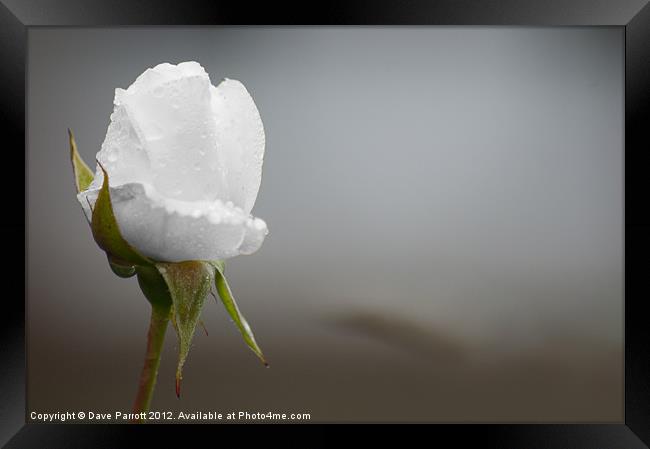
x: 240, y: 140
x: 122, y: 153
x: 163, y: 73
x: 256, y: 231
x: 174, y: 230
x: 169, y: 109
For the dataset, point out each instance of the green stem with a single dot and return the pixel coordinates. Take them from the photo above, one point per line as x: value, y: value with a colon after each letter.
x: 157, y: 327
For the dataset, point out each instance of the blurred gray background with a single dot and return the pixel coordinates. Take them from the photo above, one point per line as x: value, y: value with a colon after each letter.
x: 445, y: 208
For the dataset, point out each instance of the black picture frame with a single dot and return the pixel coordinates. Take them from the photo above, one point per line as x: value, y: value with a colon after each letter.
x: 633, y: 15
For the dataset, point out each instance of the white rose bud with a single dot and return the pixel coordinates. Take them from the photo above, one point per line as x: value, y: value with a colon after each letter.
x: 185, y: 164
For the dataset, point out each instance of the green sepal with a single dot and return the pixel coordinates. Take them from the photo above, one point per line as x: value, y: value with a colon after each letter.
x: 121, y: 269
x: 83, y: 175
x: 231, y: 307
x: 153, y: 286
x: 189, y: 284
x: 218, y: 264
x: 107, y: 232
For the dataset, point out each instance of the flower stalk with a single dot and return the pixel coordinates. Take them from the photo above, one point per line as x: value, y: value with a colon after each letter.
x: 160, y: 315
